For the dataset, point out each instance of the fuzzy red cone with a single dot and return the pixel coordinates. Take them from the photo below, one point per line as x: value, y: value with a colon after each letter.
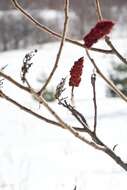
x: 76, y: 72
x: 101, y: 29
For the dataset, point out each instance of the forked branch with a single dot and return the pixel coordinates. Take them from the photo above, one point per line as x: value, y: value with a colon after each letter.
x: 51, y: 32
x: 107, y: 38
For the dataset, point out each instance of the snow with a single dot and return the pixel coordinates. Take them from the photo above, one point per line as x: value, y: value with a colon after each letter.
x: 37, y: 155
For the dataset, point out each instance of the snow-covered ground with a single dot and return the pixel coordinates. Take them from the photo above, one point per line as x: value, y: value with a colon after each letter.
x: 36, y: 155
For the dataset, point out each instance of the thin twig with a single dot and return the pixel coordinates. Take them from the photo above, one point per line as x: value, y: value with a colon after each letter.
x: 72, y: 95
x: 76, y: 114
x: 66, y: 10
x: 65, y: 125
x: 51, y: 32
x: 109, y: 82
x: 81, y: 119
x: 100, y: 146
x: 28, y: 110
x: 115, y: 51
x: 107, y: 38
x: 62, y: 123
x: 17, y: 84
x: 93, y: 82
x: 10, y: 79
x: 106, y: 149
x: 14, y: 82
x: 98, y: 10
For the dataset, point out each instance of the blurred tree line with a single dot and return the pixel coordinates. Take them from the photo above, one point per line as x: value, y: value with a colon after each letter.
x: 6, y: 4
x: 16, y: 32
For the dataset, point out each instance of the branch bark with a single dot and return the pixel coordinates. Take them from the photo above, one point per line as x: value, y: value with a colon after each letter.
x: 51, y: 32
x: 95, y: 142
x: 93, y: 82
x: 62, y: 123
x: 109, y: 82
x: 66, y: 9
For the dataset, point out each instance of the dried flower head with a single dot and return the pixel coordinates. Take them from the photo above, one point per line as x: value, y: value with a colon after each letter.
x: 60, y: 88
x: 27, y: 64
x: 101, y: 29
x: 76, y: 72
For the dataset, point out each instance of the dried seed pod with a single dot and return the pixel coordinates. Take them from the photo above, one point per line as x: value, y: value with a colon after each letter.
x: 101, y: 29
x: 60, y: 88
x: 27, y: 64
x: 76, y: 72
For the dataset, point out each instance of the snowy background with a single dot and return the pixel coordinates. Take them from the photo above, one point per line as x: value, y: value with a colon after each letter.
x: 36, y: 155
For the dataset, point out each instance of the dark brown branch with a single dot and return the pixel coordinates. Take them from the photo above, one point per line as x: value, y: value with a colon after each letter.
x: 93, y: 81
x: 76, y: 114
x: 106, y: 149
x: 117, y: 159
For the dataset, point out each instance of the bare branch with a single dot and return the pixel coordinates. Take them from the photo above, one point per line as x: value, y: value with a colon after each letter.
x: 93, y: 81
x: 98, y: 10
x: 65, y: 125
x: 51, y: 32
x: 62, y: 123
x: 27, y: 109
x: 76, y: 114
x: 106, y: 149
x: 116, y: 158
x: 109, y: 82
x: 14, y: 82
x: 10, y: 79
x: 95, y: 142
x: 100, y: 145
x: 66, y: 10
x: 114, y: 50
x: 107, y: 38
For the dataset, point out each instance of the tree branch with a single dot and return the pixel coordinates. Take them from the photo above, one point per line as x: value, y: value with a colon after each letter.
x: 51, y: 32
x: 98, y: 10
x: 106, y: 149
x: 27, y: 109
x: 62, y: 123
x: 93, y: 81
x: 97, y: 144
x: 109, y: 82
x: 10, y: 79
x: 114, y: 50
x: 66, y: 10
x: 107, y: 38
